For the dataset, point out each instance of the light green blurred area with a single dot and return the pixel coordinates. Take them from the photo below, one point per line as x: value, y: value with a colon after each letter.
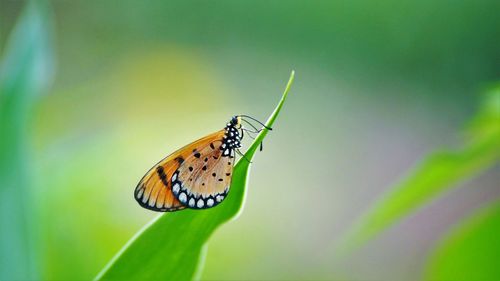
x: 378, y: 85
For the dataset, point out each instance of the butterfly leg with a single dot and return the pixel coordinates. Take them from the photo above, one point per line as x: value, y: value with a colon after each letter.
x: 242, y: 155
x: 252, y: 137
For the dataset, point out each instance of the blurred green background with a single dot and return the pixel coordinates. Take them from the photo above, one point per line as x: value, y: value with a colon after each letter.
x: 114, y: 86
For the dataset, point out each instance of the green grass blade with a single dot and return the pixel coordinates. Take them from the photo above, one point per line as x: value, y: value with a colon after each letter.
x: 25, y: 72
x: 171, y: 246
x: 439, y: 172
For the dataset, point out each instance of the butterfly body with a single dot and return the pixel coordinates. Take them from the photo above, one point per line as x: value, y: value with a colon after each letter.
x: 197, y: 176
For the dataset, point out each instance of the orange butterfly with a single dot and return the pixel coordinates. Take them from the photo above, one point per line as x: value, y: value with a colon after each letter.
x: 197, y: 176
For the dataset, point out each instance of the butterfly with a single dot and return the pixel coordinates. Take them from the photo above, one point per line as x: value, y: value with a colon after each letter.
x: 197, y: 176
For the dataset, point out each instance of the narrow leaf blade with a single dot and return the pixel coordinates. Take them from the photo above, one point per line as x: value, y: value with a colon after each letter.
x: 439, y: 172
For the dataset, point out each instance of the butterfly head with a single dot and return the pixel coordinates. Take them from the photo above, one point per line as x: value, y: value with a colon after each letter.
x: 235, y: 122
x: 234, y: 133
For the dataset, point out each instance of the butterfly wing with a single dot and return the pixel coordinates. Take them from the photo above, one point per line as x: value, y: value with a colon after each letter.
x: 154, y: 190
x: 204, y: 178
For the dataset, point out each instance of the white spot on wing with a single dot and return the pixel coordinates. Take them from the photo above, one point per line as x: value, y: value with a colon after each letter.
x: 159, y: 204
x: 152, y: 203
x: 174, y: 177
x: 210, y: 202
x: 191, y: 202
x: 144, y: 199
x: 200, y: 203
x: 176, y: 188
x: 183, y: 197
x: 141, y: 191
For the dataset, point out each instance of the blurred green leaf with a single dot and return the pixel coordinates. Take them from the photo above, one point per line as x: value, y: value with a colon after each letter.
x: 470, y: 251
x: 172, y: 246
x: 25, y: 72
x: 439, y: 172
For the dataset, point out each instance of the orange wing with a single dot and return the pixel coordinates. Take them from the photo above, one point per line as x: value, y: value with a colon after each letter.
x: 154, y: 191
x: 203, y: 179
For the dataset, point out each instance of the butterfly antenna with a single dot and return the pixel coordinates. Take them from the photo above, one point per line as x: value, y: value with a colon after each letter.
x: 246, y: 116
x: 251, y: 125
x: 243, y: 155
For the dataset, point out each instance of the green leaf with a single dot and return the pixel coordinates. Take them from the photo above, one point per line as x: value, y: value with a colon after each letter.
x: 172, y: 246
x: 26, y: 70
x: 470, y: 251
x: 437, y: 173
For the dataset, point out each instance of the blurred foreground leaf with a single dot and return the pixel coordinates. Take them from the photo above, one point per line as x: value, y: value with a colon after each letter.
x: 439, y: 172
x: 470, y: 250
x: 172, y: 246
x: 25, y: 72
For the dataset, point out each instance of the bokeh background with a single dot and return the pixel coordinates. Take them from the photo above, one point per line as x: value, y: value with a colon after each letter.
x: 379, y: 84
